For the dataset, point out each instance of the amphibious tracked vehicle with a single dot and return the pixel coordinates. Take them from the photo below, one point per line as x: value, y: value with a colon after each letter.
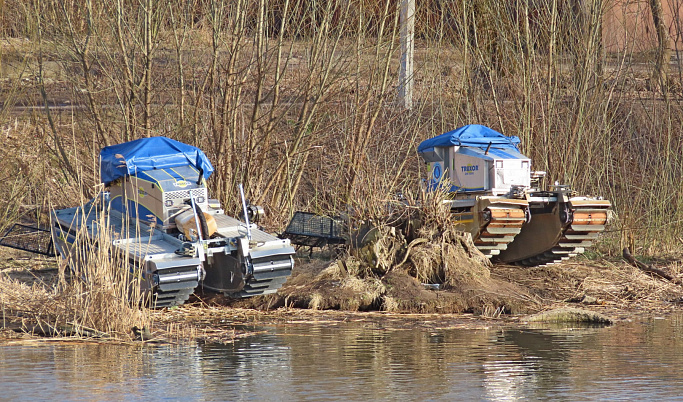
x: 174, y: 236
x: 495, y: 196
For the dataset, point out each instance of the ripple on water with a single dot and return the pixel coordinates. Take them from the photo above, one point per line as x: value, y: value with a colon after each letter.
x: 362, y: 362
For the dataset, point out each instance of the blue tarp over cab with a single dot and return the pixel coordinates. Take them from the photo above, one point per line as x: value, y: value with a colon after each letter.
x: 473, y: 135
x: 145, y: 154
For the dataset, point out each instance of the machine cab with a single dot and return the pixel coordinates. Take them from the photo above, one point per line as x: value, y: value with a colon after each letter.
x: 475, y: 159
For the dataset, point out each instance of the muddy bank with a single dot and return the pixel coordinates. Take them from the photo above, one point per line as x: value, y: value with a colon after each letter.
x: 610, y: 287
x: 416, y: 262
x: 323, y: 291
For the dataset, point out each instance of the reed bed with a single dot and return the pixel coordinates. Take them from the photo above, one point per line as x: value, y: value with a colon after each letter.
x: 95, y: 294
x: 298, y: 101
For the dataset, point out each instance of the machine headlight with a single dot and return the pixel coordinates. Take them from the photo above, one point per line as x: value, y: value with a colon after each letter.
x: 200, y: 200
x: 168, y: 203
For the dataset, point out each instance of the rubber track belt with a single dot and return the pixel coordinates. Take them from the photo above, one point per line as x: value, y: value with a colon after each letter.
x: 586, y: 225
x: 506, y: 222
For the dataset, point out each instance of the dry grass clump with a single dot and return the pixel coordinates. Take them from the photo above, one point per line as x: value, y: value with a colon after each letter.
x: 94, y: 295
x: 103, y: 291
x: 331, y: 286
x: 438, y: 253
x: 24, y: 302
x: 394, y: 262
x: 65, y: 310
x: 627, y: 286
x: 447, y: 257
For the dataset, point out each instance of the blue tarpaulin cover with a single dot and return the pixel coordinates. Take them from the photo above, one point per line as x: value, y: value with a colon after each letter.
x: 473, y: 135
x: 147, y: 154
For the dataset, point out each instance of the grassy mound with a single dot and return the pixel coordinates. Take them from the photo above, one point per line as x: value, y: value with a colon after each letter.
x: 92, y: 293
x: 414, y: 261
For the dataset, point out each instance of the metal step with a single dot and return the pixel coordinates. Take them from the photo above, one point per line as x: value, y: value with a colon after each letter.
x: 256, y: 288
x: 171, y: 298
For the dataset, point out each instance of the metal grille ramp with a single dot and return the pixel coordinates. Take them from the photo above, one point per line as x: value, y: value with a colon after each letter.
x: 309, y: 229
x: 29, y: 238
x: 196, y: 193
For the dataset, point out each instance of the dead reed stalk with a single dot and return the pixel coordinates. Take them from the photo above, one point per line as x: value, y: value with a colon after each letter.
x: 297, y: 99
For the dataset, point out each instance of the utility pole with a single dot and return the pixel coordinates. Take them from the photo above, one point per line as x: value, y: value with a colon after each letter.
x: 405, y: 76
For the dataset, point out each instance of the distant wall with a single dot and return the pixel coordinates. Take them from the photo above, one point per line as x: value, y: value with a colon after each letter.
x: 628, y: 25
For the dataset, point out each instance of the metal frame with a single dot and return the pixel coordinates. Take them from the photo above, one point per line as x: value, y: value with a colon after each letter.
x: 29, y: 238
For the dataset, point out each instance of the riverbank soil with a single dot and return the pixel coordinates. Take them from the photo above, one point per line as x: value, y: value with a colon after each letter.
x: 321, y: 290
x: 612, y: 287
x: 436, y: 269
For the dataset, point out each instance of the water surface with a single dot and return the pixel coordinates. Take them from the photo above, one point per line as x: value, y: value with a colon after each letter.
x: 351, y: 361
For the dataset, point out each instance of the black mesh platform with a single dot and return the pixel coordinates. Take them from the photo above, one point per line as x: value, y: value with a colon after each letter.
x: 308, y: 229
x: 28, y: 238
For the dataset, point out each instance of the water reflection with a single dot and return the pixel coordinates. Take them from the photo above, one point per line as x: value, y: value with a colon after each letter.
x: 362, y: 362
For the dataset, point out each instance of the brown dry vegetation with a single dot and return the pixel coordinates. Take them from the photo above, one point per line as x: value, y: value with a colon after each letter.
x: 308, y: 119
x: 612, y: 288
x: 297, y: 100
x: 395, y: 272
